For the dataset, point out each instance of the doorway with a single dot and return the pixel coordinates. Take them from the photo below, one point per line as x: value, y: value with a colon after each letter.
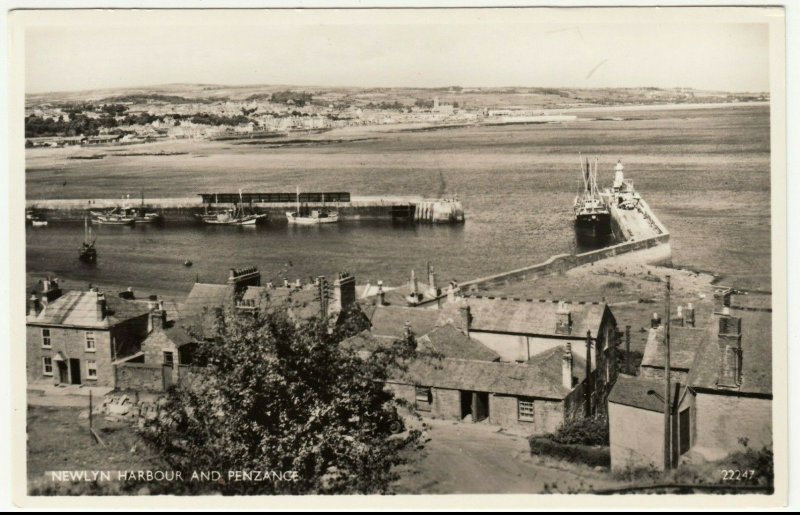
x: 63, y: 375
x: 684, y: 431
x: 75, y: 371
x: 474, y: 405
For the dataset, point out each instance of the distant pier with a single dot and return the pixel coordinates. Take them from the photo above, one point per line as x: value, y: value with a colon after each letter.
x: 644, y: 239
x: 183, y: 209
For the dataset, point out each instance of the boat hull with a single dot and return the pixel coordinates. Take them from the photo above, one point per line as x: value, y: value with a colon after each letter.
x: 249, y: 220
x: 596, y: 224
x: 113, y: 221
x: 292, y: 218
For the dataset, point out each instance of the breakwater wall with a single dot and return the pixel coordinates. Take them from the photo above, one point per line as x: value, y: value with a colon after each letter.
x: 653, y: 248
x: 183, y: 210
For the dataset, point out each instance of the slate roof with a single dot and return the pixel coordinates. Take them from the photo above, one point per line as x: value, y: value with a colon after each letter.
x: 756, y: 355
x: 205, y: 295
x: 389, y: 321
x: 540, y: 377
x: 683, y: 345
x: 632, y: 391
x: 531, y: 317
x: 452, y: 343
x: 79, y: 308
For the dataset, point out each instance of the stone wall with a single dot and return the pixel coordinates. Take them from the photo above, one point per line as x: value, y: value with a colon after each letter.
x: 722, y: 419
x: 139, y: 377
x: 636, y: 437
x: 547, y: 414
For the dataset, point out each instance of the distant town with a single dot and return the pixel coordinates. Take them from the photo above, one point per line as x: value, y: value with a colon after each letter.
x: 220, y: 112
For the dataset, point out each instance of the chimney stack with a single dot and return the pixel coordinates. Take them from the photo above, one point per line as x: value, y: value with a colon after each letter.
x: 381, y: 294
x: 50, y: 290
x: 34, y: 305
x: 722, y: 299
x: 466, y: 317
x: 563, y: 318
x: 655, y: 322
x: 344, y: 291
x: 157, y: 318
x: 566, y: 367
x: 729, y: 341
x: 689, y: 315
x: 101, y: 307
x: 679, y: 317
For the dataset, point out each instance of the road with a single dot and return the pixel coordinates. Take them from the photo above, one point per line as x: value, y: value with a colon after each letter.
x: 481, y: 459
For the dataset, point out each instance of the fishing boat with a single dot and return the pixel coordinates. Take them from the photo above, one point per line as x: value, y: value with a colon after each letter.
x: 115, y: 216
x: 87, y: 252
x: 142, y: 216
x: 34, y: 219
x: 233, y: 216
x: 304, y: 216
x: 592, y: 216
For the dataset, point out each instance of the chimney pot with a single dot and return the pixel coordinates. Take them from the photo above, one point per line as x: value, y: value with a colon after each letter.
x: 655, y: 321
x: 101, y: 307
x: 566, y: 367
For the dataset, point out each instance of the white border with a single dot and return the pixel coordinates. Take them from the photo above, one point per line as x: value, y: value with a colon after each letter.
x: 14, y: 311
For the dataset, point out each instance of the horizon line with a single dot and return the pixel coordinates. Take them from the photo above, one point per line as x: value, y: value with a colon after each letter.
x: 297, y: 85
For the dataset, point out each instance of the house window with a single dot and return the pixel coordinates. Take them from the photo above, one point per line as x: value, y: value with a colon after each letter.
x: 91, y: 369
x: 423, y: 397
x: 47, y: 366
x: 90, y: 343
x: 525, y: 410
x: 168, y: 358
x: 46, y: 338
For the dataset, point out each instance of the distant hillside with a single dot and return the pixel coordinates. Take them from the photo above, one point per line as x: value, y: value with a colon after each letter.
x: 474, y: 98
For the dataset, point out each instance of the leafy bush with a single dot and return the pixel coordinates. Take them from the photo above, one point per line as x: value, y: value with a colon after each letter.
x: 277, y: 395
x: 592, y: 456
x: 582, y: 431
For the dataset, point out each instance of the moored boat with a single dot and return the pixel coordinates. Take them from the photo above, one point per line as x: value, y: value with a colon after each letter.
x: 113, y: 217
x: 305, y: 216
x: 592, y: 216
x: 234, y: 216
x: 87, y: 253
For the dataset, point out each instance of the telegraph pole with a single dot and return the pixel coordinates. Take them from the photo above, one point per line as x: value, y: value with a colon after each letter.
x: 667, y: 390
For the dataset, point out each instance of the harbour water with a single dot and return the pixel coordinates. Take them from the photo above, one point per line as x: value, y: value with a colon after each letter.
x: 152, y: 258
x: 704, y: 172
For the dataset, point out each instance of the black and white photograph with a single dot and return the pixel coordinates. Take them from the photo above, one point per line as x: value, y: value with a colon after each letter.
x: 399, y: 253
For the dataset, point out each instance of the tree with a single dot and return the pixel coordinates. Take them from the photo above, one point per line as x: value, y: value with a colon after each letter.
x: 279, y: 396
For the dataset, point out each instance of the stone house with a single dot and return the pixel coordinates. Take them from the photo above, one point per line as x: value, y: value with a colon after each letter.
x: 533, y: 398
x: 167, y: 355
x: 74, y: 338
x: 721, y: 392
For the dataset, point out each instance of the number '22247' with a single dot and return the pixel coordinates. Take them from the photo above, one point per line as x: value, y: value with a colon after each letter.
x: 737, y: 475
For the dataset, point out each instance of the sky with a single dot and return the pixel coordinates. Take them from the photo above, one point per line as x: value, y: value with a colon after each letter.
x: 403, y: 51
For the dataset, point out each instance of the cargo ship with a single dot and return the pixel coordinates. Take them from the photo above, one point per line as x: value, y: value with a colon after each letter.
x: 592, y: 216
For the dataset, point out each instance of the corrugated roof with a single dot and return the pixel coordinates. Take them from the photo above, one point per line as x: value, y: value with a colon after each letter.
x: 756, y: 355
x: 632, y: 391
x: 79, y: 308
x: 683, y: 345
x: 531, y: 317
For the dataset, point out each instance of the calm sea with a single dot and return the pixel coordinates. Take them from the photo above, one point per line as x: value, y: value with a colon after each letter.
x: 705, y: 172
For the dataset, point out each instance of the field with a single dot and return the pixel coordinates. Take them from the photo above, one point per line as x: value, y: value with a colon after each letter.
x: 705, y: 172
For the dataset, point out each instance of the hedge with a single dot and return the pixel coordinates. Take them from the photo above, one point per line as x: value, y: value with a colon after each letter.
x: 592, y: 456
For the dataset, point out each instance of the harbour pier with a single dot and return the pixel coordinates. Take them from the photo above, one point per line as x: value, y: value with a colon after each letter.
x: 415, y: 209
x: 644, y: 239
